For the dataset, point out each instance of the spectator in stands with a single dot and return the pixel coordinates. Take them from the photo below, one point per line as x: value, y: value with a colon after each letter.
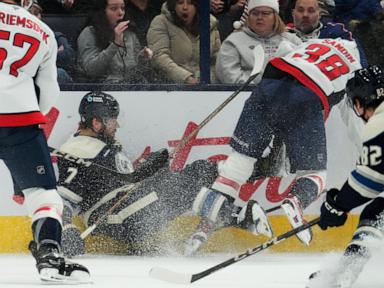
x: 141, y: 13
x: 66, y: 6
x: 307, y: 24
x: 174, y: 38
x: 347, y: 10
x: 227, y: 12
x: 264, y: 27
x: 108, y: 50
x: 327, y: 8
x: 65, y: 52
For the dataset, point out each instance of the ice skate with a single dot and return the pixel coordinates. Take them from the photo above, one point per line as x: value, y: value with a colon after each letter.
x: 252, y: 217
x: 53, y: 267
x: 292, y: 209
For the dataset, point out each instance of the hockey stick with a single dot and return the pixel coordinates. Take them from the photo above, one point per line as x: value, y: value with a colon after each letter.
x: 258, y: 54
x: 78, y: 160
x: 272, y: 209
x: 185, y: 278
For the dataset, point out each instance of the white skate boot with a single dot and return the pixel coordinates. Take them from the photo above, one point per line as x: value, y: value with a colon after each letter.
x: 252, y: 217
x: 292, y: 209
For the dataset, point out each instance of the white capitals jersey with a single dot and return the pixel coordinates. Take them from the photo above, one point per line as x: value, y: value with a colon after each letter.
x: 28, y: 51
x: 322, y: 65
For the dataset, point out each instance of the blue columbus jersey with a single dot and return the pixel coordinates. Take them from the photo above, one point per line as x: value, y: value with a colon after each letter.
x: 368, y: 177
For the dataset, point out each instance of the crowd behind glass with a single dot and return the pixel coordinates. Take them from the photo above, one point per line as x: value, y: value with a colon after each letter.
x: 157, y: 41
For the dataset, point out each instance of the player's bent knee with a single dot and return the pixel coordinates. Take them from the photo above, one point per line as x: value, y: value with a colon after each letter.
x: 42, y: 203
x: 233, y: 173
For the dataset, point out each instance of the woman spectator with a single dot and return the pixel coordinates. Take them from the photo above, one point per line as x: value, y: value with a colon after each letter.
x: 174, y: 38
x: 107, y: 50
x: 264, y: 27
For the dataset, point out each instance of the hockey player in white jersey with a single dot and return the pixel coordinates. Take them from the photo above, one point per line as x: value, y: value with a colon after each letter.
x: 364, y: 185
x: 292, y: 101
x: 29, y: 88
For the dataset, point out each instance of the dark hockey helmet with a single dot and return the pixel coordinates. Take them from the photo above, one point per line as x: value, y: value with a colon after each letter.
x: 97, y: 104
x: 367, y: 86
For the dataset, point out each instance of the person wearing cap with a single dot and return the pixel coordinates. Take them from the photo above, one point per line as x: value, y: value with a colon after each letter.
x: 264, y: 27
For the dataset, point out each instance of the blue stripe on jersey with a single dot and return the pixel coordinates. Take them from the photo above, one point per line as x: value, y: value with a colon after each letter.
x: 373, y: 185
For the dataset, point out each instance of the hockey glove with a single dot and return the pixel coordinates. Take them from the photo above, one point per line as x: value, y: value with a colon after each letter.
x: 71, y: 242
x: 151, y: 164
x: 331, y: 213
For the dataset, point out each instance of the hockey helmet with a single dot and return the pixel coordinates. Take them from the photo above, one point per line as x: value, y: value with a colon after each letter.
x: 367, y: 86
x: 97, y: 104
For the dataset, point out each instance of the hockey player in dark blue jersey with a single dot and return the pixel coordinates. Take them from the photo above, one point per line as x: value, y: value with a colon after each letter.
x: 364, y: 185
x: 89, y: 191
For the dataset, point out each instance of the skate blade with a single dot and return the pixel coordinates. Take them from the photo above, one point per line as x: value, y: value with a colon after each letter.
x: 51, y: 277
x: 58, y: 281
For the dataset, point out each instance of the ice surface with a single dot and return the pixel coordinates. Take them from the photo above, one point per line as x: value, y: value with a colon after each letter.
x: 263, y: 270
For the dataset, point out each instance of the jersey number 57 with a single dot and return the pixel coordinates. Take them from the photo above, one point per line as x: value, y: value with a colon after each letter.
x: 18, y: 40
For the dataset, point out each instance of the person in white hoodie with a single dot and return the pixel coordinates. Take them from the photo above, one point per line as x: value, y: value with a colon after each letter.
x: 263, y: 27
